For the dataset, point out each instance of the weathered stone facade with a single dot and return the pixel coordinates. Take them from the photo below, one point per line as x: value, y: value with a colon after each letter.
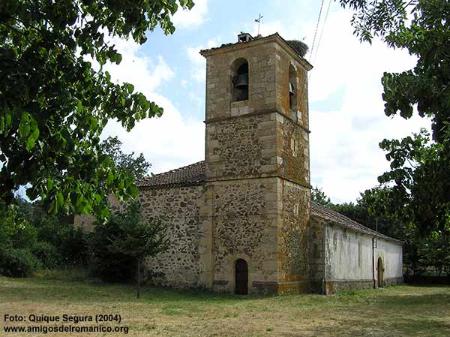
x: 257, y: 166
x: 182, y: 264
x: 243, y: 220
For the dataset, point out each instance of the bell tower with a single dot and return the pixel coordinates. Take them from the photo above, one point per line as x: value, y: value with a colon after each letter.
x: 257, y: 165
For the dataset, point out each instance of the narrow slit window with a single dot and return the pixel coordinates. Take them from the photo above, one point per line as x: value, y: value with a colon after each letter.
x: 292, y: 88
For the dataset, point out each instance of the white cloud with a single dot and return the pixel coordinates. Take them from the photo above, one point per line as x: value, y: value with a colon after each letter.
x: 185, y: 18
x: 140, y: 70
x: 169, y: 141
x: 198, y: 63
x: 346, y: 158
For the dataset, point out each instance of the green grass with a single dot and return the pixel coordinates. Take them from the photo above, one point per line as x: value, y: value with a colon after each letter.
x: 395, y: 311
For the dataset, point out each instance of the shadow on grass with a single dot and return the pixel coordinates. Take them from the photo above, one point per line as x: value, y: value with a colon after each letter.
x: 38, y: 288
x: 407, y: 327
x: 90, y: 291
x: 416, y: 299
x: 420, y: 326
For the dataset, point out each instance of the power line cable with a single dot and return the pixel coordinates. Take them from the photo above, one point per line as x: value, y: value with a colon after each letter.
x: 317, y: 27
x: 322, y: 31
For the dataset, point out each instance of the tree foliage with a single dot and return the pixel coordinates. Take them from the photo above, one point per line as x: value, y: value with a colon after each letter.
x: 54, y: 105
x: 319, y: 196
x: 418, y: 182
x: 135, y: 166
x: 142, y: 239
x: 31, y: 239
x: 121, y: 244
x: 421, y: 180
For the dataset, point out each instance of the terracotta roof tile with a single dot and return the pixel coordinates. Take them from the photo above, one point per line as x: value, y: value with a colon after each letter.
x: 193, y: 174
x: 340, y: 219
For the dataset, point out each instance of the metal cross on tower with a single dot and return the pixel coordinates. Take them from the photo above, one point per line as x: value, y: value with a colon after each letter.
x: 259, y: 21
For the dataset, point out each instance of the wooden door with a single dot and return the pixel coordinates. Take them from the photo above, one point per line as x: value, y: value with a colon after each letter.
x: 380, y: 268
x: 241, y: 277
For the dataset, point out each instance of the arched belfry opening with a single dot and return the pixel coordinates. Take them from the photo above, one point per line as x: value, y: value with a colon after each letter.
x: 240, y: 80
x: 292, y: 88
x: 380, y: 270
x: 241, y: 277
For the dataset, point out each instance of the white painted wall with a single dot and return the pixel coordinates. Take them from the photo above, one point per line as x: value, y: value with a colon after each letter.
x: 391, y: 254
x: 348, y: 255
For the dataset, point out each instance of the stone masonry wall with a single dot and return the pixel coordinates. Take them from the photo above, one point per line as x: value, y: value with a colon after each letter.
x: 316, y: 253
x: 185, y: 263
x: 241, y: 147
x: 293, y: 151
x: 244, y: 226
x: 292, y: 237
x: 257, y: 154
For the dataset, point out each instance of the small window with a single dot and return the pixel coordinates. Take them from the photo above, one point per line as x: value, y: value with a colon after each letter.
x: 294, y: 146
x: 240, y: 80
x: 292, y: 88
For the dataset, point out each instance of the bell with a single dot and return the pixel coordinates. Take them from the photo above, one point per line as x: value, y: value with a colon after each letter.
x: 241, y: 81
x: 291, y: 89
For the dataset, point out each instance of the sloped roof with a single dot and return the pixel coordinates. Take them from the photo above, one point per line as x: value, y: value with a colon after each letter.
x: 340, y: 219
x: 194, y: 174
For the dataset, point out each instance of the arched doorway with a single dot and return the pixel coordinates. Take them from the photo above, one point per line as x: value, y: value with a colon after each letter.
x: 380, y: 269
x: 241, y: 277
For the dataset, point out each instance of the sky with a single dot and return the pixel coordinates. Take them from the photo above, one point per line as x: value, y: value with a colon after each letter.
x: 347, y: 121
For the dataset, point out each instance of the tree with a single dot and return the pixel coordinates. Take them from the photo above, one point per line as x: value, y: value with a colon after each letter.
x: 54, y: 105
x: 319, y: 197
x: 17, y: 238
x: 421, y: 198
x: 137, y: 167
x: 122, y: 244
x: 434, y: 251
x: 419, y: 179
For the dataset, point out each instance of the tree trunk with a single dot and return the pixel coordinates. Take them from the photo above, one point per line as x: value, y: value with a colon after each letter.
x: 138, y: 287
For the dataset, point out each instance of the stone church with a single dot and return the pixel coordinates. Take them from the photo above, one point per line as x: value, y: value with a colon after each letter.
x: 242, y: 221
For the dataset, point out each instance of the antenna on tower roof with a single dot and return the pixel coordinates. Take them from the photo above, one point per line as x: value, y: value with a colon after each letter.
x: 259, y: 21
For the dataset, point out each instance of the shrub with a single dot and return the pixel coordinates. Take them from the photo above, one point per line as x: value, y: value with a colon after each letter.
x: 107, y: 265
x: 15, y: 230
x: 47, y: 254
x: 18, y: 262
x: 29, y: 238
x: 74, y: 247
x: 120, y: 246
x: 70, y: 243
